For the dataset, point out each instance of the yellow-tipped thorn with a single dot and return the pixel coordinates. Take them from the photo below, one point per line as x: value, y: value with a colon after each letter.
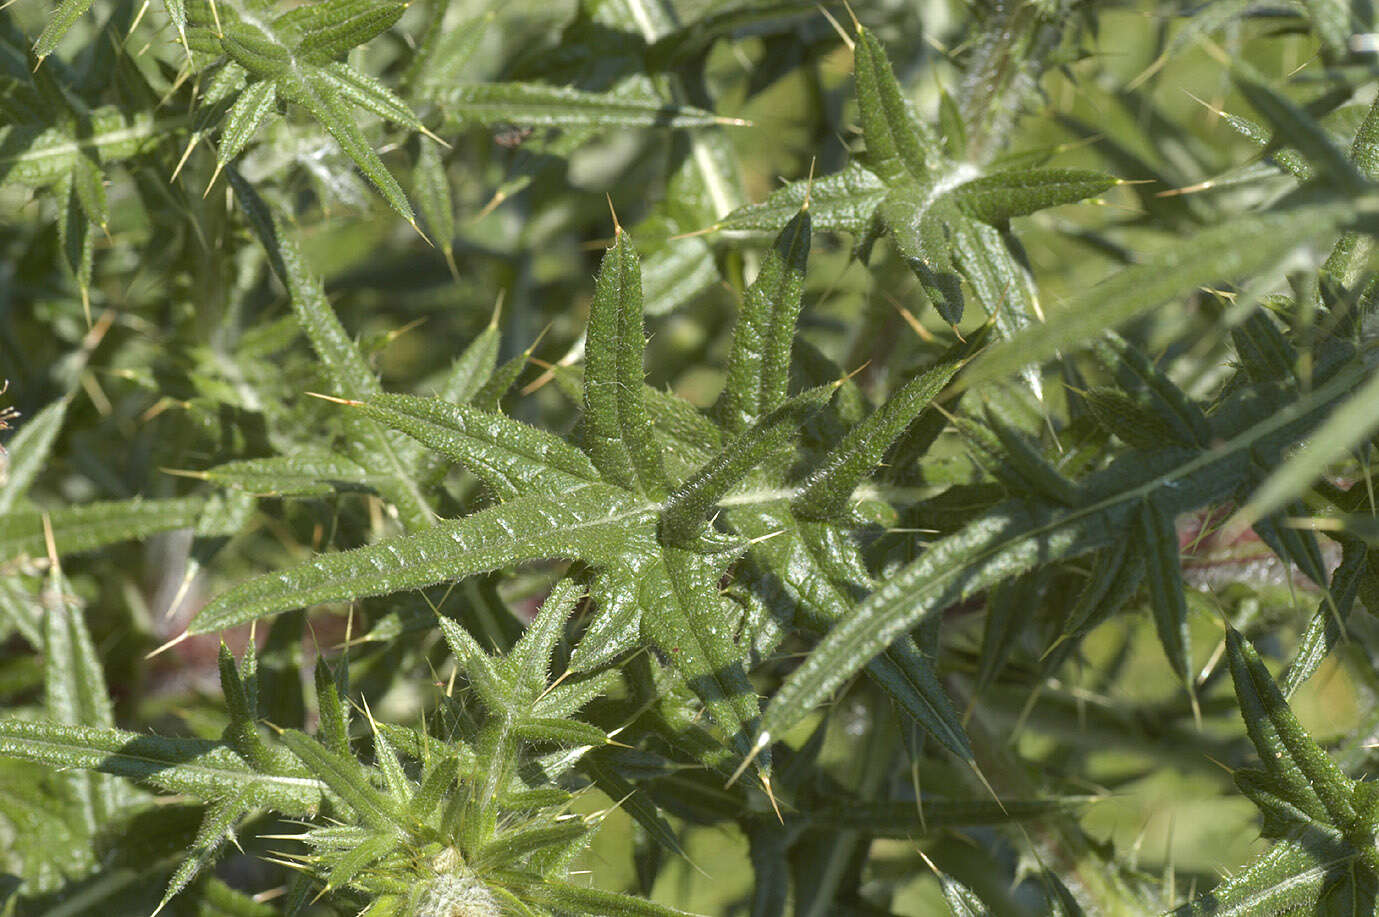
x: 334, y: 400
x: 369, y: 714
x: 809, y: 184
x: 694, y: 233
x: 853, y: 16
x: 186, y: 154
x: 1053, y: 646
x: 1217, y: 53
x: 1189, y: 189
x: 986, y: 783
x: 617, y: 227
x: 426, y: 132
x: 399, y: 332
x: 412, y: 221
x: 169, y: 645
x: 1205, y: 104
x: 282, y: 861
x: 138, y: 18
x: 770, y: 795
x: 183, y: 588
x: 1148, y: 72
x: 1225, y: 767
x: 552, y: 686
x: 449, y: 251
x: 762, y: 741
x: 215, y: 14
x: 54, y: 565
x: 839, y: 383
x: 182, y: 36
x: 498, y: 309
x: 492, y: 205
x: 915, y: 324
x: 550, y: 368
x: 211, y: 183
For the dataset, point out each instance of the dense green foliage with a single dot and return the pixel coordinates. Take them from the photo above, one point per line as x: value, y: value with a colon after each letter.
x: 391, y: 529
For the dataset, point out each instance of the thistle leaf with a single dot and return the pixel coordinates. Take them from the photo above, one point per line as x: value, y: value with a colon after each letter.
x: 319, y: 92
x: 346, y: 368
x: 1351, y: 424
x: 74, y: 691
x: 821, y: 572
x: 758, y: 369
x: 329, y: 34
x: 217, y: 826
x: 684, y: 616
x: 40, y: 157
x: 528, y: 663
x: 431, y: 188
x: 579, y: 899
x: 62, y: 19
x: 617, y: 431
x: 903, y: 819
x: 302, y: 474
x: 961, y: 900
x: 897, y: 148
x: 998, y: 197
x: 1323, y: 631
x: 1016, y: 536
x: 1298, y: 128
x: 845, y: 201
x: 241, y: 733
x: 1304, y: 772
x: 1294, y: 876
x: 368, y: 93
x: 1144, y: 381
x: 689, y: 506
x: 476, y: 665
x: 631, y: 800
x: 245, y: 118
x: 588, y: 526
x: 1159, y: 539
x: 200, y: 769
x: 535, y: 105
x: 507, y: 455
x: 918, y: 216
x: 94, y: 525
x: 826, y: 490
x: 29, y: 453
x: 616, y: 625
x: 346, y: 779
x: 1240, y: 247
x: 331, y: 703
